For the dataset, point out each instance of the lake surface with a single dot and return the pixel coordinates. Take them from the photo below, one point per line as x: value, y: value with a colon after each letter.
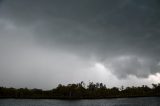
x: 144, y: 101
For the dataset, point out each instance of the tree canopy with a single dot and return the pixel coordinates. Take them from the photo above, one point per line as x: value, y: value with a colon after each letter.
x: 81, y: 91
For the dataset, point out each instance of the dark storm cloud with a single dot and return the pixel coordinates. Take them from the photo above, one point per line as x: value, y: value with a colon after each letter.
x: 124, y: 35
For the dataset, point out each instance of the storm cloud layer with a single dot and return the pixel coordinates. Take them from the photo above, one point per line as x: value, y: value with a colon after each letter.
x: 46, y: 42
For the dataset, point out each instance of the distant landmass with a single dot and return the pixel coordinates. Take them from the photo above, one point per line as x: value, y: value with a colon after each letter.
x: 81, y: 91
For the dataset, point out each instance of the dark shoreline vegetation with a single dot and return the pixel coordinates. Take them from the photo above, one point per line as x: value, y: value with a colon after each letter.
x: 81, y: 91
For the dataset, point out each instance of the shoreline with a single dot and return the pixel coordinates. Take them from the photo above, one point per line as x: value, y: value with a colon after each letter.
x: 83, y: 98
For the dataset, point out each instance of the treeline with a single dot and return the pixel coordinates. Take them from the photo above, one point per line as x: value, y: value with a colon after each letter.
x: 81, y: 91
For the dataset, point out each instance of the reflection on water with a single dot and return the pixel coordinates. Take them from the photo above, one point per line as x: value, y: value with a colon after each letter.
x: 146, y: 101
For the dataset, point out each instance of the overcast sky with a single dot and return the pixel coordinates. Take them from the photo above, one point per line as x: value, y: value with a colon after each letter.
x: 47, y: 42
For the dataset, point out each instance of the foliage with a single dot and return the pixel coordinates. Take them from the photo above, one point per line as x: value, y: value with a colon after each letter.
x: 80, y: 91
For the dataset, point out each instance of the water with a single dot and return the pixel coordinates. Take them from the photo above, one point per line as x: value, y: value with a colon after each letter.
x: 146, y: 101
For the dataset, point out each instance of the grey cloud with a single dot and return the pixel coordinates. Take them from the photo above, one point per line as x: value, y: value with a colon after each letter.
x: 106, y: 30
x: 26, y: 64
x: 125, y: 65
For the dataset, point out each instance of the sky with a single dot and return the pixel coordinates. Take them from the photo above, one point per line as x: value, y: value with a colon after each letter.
x: 47, y: 42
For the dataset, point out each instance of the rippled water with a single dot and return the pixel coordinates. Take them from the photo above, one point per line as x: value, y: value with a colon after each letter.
x: 146, y: 101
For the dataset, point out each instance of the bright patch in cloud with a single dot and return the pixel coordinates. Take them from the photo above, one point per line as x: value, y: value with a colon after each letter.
x: 155, y: 78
